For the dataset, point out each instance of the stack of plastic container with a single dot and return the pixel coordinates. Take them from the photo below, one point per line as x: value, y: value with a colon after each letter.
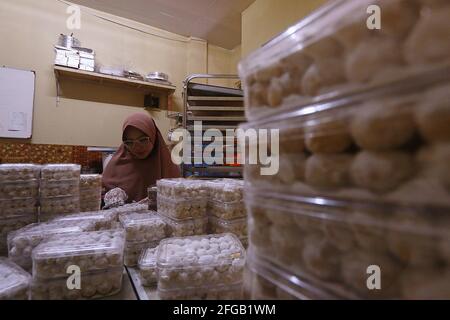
x: 201, y: 268
x: 59, y: 190
x: 143, y: 231
x: 14, y: 281
x: 90, y: 192
x: 96, y: 256
x: 22, y: 242
x: 226, y: 208
x: 363, y: 185
x: 182, y: 205
x: 19, y: 193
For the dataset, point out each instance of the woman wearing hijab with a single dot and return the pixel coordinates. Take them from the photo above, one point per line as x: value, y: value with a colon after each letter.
x: 142, y: 159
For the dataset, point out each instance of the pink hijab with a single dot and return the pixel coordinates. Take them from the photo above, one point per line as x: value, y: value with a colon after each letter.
x: 133, y: 175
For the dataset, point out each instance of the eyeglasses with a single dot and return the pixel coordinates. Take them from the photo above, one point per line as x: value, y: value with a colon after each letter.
x: 141, y: 141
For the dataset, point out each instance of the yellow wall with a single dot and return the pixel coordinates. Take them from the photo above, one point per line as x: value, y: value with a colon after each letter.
x: 30, y: 28
x: 265, y: 19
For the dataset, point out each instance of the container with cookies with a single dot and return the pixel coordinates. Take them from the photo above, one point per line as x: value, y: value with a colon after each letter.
x: 147, y: 267
x: 8, y: 225
x: 22, y: 241
x: 332, y: 53
x: 182, y: 208
x: 104, y: 220
x: 134, y: 250
x: 19, y: 190
x: 90, y: 182
x: 57, y: 206
x: 237, y: 227
x: 223, y: 293
x: 90, y: 251
x: 333, y: 244
x: 14, y: 281
x: 90, y: 192
x: 94, y: 285
x: 185, y: 228
x: 18, y: 207
x: 180, y: 188
x: 200, y: 262
x: 58, y: 188
x: 387, y: 144
x: 19, y: 172
x: 60, y: 172
x: 143, y: 227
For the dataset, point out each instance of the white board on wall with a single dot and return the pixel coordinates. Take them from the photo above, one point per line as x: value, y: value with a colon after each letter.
x: 16, y: 103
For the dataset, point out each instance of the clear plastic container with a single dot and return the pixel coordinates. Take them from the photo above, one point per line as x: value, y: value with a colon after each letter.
x: 58, y: 188
x: 19, y: 190
x: 130, y: 208
x: 147, y: 267
x: 227, y: 210
x: 94, y: 285
x: 8, y: 225
x: 332, y: 53
x: 22, y: 242
x: 60, y: 172
x: 234, y: 292
x: 143, y: 227
x: 90, y: 181
x: 392, y: 144
x: 14, y: 281
x: 182, y: 189
x: 59, y: 205
x: 104, y: 220
x: 18, y: 207
x: 133, y: 251
x: 200, y: 261
x: 237, y: 227
x: 228, y: 191
x: 332, y: 243
x: 185, y: 228
x: 19, y: 172
x: 182, y: 209
x: 90, y: 251
x: 153, y: 198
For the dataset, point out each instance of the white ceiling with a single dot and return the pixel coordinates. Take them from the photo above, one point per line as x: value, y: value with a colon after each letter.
x: 217, y: 21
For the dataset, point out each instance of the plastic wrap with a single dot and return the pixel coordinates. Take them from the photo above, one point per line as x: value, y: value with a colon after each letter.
x: 90, y: 251
x: 332, y: 53
x: 201, y: 261
x: 14, y: 281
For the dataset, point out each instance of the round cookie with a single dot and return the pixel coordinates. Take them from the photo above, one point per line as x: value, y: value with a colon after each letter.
x: 383, y: 126
x: 381, y: 171
x: 320, y: 257
x: 433, y: 115
x: 328, y: 137
x: 355, y: 274
x: 322, y: 75
x: 371, y: 57
x: 328, y: 170
x: 428, y: 42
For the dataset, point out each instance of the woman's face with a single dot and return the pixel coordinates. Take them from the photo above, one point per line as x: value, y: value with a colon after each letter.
x: 137, y: 143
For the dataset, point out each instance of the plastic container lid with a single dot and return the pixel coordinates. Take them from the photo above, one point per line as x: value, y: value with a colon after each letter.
x: 13, y: 279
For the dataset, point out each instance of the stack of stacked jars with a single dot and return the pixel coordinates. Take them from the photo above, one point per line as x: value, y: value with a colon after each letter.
x: 363, y: 187
x: 226, y: 208
x: 182, y: 205
x: 19, y: 193
x: 90, y: 192
x: 143, y: 230
x: 95, y: 257
x: 59, y: 190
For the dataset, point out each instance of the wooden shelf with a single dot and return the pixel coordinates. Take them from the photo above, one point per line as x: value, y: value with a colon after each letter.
x: 64, y: 72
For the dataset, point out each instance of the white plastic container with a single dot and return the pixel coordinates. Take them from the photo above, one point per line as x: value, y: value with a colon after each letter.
x: 14, y: 281
x: 200, y: 261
